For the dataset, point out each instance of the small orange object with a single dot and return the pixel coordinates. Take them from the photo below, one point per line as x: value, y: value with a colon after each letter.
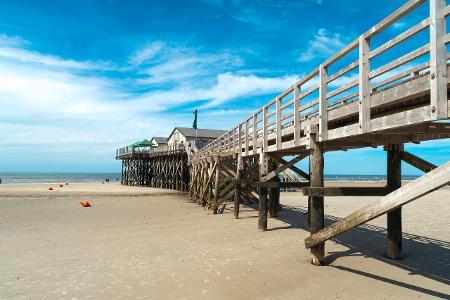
x: 61, y: 185
x: 50, y: 189
x: 85, y: 203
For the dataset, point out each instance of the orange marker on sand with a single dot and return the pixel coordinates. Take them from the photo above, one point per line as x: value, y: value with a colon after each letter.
x: 85, y: 203
x: 50, y: 189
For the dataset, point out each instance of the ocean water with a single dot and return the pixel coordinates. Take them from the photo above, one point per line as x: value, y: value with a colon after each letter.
x: 364, y: 177
x: 100, y: 177
x: 35, y: 177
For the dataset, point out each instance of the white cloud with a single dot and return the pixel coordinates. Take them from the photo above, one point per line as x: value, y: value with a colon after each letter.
x: 12, y: 41
x: 159, y: 63
x: 322, y: 45
x: 58, y: 108
x: 27, y: 56
x: 146, y: 53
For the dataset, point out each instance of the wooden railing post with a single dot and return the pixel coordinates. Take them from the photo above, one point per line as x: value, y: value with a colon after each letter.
x: 246, y: 137
x: 438, y: 60
x: 278, y: 122
x: 255, y: 134
x: 297, y: 125
x: 265, y: 141
x: 364, y: 85
x: 239, y: 142
x: 323, y: 106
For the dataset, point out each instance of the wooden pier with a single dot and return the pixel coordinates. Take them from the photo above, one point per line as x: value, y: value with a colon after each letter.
x: 337, y: 106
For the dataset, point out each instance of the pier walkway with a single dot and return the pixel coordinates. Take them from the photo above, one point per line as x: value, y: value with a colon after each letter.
x: 347, y: 102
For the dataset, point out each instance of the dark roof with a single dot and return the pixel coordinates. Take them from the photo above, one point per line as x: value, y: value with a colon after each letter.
x: 201, y: 133
x: 160, y: 140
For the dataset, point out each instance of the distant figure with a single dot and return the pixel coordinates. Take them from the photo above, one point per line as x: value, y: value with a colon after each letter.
x: 117, y: 179
x: 0, y: 181
x: 67, y: 183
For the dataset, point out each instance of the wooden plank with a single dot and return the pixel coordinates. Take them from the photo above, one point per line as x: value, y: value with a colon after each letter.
x: 278, y: 123
x: 401, y: 37
x: 417, y: 162
x: 264, y: 128
x: 280, y: 160
x: 298, y: 184
x: 344, y: 191
x: 246, y: 137
x: 323, y: 106
x: 364, y: 85
x: 438, y: 60
x: 283, y: 167
x: 341, y: 53
x: 400, y: 61
x: 255, y: 134
x: 297, y: 124
x: 401, y: 75
x: 343, y: 88
x: 343, y: 71
x: 208, y: 182
x: 309, y: 91
x: 420, y: 187
x: 394, y: 17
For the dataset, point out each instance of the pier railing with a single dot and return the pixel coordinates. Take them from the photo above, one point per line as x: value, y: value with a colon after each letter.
x: 137, y: 152
x: 343, y: 99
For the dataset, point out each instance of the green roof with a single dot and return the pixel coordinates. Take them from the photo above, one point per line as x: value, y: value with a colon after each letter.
x: 144, y: 143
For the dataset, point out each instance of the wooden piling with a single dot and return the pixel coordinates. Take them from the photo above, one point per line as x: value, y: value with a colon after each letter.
x: 216, y: 185
x: 317, y: 204
x: 237, y: 198
x: 394, y: 217
x: 262, y: 220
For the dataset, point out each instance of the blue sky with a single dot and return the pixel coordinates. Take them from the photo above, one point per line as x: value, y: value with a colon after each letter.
x: 81, y: 78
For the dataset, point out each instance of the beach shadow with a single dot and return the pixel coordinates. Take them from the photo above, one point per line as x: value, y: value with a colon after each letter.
x: 425, y: 256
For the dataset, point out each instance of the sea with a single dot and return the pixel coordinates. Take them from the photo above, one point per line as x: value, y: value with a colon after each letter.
x: 38, y: 177
x: 44, y: 177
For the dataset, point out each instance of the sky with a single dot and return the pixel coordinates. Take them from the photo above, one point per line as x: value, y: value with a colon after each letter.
x: 80, y: 78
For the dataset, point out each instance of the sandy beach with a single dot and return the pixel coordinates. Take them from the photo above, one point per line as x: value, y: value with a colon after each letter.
x: 143, y: 243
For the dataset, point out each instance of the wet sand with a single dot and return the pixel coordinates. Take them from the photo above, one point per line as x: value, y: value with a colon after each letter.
x: 143, y: 243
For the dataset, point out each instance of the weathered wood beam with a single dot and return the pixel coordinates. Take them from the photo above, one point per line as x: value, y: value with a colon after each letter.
x: 316, y: 209
x: 417, y: 162
x: 394, y: 217
x: 284, y: 166
x: 208, y: 182
x: 420, y: 187
x: 344, y: 191
x: 438, y: 60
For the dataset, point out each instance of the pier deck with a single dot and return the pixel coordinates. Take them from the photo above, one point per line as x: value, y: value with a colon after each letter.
x: 345, y: 103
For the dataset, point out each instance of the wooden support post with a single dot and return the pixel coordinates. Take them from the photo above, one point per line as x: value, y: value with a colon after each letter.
x: 263, y: 170
x: 438, y: 60
x: 216, y: 185
x: 317, y: 204
x: 406, y: 194
x: 262, y: 216
x: 237, y: 191
x: 274, y: 200
x: 364, y: 84
x: 394, y: 217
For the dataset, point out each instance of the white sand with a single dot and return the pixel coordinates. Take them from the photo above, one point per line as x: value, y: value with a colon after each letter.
x: 143, y: 243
